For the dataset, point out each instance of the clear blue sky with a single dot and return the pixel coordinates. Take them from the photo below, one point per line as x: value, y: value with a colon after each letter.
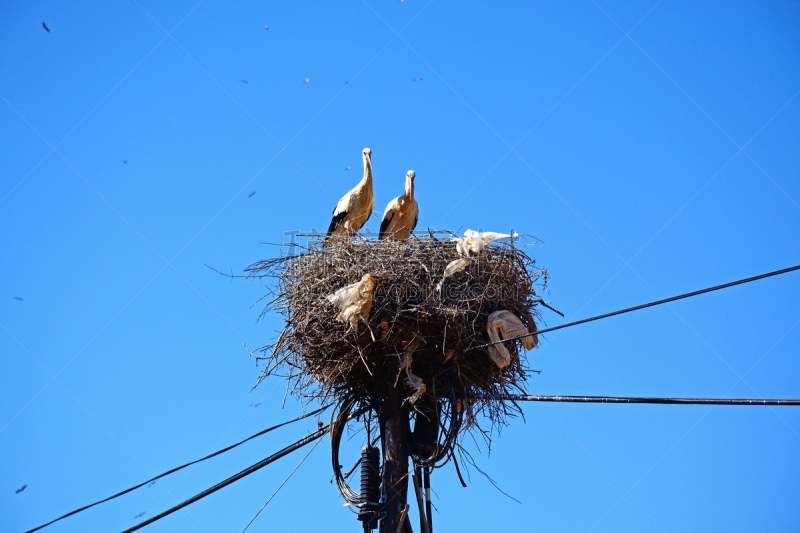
x: 654, y: 148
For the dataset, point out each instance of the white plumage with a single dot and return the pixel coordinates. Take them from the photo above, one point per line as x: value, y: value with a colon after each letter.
x: 354, y: 301
x: 505, y: 325
x: 473, y: 242
x: 401, y: 214
x: 355, y: 207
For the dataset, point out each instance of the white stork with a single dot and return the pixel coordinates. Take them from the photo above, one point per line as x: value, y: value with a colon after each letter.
x: 506, y: 325
x: 354, y: 301
x: 355, y: 207
x: 473, y: 242
x: 401, y: 215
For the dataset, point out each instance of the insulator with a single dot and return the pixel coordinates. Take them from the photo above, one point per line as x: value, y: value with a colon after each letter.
x: 370, y: 475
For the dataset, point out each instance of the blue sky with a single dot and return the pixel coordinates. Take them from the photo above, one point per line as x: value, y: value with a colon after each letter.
x: 653, y: 147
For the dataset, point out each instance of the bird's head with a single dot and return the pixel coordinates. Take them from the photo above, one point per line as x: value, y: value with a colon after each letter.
x: 366, y: 153
x: 410, y: 175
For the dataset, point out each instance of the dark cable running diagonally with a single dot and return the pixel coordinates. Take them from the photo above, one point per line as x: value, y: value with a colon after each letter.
x: 644, y: 306
x: 172, y: 471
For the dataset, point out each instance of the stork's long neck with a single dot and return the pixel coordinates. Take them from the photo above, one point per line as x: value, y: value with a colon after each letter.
x: 409, y: 188
x: 366, y: 181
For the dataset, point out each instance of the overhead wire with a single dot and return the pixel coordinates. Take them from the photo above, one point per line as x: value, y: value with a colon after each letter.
x: 506, y: 397
x: 173, y: 470
x: 244, y: 473
x: 224, y: 483
x: 634, y: 399
x: 303, y: 460
x: 644, y: 306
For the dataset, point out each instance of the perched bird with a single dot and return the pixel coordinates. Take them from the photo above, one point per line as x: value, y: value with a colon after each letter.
x: 354, y: 301
x: 22, y: 488
x: 251, y: 194
x: 401, y: 214
x: 18, y: 298
x: 473, y: 242
x: 505, y: 325
x: 355, y: 207
x: 45, y: 27
x: 319, y: 424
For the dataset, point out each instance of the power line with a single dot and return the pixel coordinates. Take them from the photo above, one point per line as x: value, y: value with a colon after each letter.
x: 303, y: 460
x: 246, y: 472
x: 172, y: 471
x: 224, y: 483
x: 644, y: 306
x: 633, y: 399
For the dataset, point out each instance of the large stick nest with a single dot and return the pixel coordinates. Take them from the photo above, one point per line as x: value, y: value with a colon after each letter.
x: 441, y: 329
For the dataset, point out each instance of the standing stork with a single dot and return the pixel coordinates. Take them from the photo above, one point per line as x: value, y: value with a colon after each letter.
x: 355, y: 207
x: 401, y: 215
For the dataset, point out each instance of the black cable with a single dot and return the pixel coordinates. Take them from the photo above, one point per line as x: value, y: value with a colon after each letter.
x: 224, y: 483
x: 632, y: 399
x: 303, y: 460
x: 643, y: 306
x: 168, y: 472
x: 338, y: 421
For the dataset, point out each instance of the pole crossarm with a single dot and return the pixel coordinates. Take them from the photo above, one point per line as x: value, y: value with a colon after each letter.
x: 634, y: 399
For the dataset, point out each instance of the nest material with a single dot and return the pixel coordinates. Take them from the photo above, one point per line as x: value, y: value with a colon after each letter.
x: 415, y: 331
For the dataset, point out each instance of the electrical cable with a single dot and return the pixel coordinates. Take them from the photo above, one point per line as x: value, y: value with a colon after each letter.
x: 246, y: 472
x: 172, y: 471
x: 634, y: 399
x: 224, y: 483
x: 644, y: 306
x: 303, y: 460
x: 338, y: 420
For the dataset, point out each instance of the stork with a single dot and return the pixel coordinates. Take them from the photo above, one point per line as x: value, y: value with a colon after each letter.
x: 355, y: 207
x: 506, y: 325
x: 473, y: 242
x: 401, y: 215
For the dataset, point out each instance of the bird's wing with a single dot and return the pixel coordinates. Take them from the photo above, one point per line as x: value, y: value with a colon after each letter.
x: 387, y: 218
x: 388, y: 215
x: 416, y: 217
x: 336, y: 221
x: 340, y: 212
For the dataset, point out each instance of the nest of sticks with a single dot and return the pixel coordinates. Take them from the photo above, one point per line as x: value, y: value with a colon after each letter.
x: 421, y: 329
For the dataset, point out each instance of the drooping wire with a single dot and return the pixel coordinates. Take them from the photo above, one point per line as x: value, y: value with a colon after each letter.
x: 173, y: 470
x: 644, y: 306
x: 224, y: 483
x: 246, y: 472
x: 303, y: 460
x: 338, y: 420
x: 634, y: 399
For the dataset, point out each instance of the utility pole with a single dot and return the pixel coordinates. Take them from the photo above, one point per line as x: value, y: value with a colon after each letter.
x: 395, y: 463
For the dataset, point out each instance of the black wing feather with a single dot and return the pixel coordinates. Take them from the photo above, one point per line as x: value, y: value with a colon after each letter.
x: 336, y: 221
x: 385, y: 224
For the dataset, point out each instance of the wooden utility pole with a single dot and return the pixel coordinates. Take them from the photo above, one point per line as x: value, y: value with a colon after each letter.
x: 395, y: 463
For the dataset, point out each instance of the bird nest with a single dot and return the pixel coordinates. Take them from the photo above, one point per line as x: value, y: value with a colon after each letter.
x: 424, y: 332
